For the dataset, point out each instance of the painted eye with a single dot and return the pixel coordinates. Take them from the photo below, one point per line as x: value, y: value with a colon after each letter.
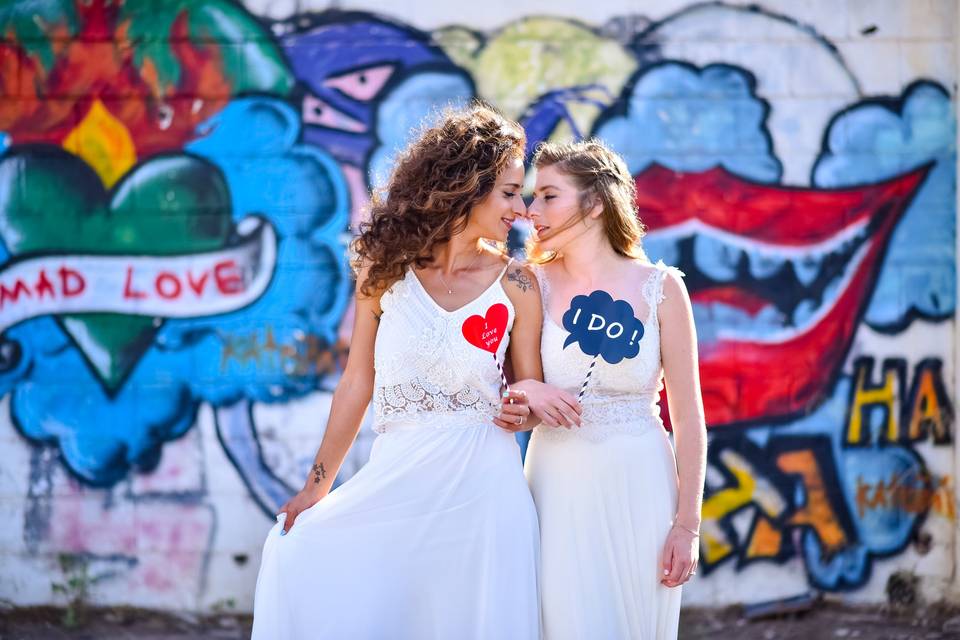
x: 362, y: 84
x: 317, y: 112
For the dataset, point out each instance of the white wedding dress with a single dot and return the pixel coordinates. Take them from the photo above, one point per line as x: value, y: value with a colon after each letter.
x: 436, y: 536
x: 606, y: 492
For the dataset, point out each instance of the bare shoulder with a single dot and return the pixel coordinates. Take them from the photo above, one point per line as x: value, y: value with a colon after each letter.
x: 673, y: 282
x: 519, y: 276
x: 521, y: 287
x: 674, y: 308
x: 673, y: 286
x: 371, y: 297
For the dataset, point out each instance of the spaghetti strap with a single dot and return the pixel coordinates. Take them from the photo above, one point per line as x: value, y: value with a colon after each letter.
x: 540, y: 273
x: 505, y: 267
x: 658, y: 277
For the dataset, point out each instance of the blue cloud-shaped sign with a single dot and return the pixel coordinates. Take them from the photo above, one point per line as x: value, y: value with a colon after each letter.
x: 602, y: 326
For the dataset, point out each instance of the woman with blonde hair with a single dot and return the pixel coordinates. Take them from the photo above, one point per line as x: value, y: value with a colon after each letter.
x: 619, y: 528
x: 436, y: 536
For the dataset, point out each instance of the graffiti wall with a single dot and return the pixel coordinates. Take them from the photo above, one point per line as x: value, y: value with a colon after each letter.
x: 179, y: 181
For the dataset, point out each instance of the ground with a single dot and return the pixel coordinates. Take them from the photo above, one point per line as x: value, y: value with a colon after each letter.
x: 825, y: 621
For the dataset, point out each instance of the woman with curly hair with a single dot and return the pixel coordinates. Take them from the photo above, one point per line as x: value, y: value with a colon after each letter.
x: 619, y: 528
x: 436, y: 536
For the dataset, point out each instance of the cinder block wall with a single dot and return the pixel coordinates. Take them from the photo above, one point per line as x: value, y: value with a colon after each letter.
x: 178, y: 181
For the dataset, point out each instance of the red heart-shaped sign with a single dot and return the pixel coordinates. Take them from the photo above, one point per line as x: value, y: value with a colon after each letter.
x: 486, y: 332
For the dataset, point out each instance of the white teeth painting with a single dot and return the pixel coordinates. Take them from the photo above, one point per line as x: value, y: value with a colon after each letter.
x: 795, y: 280
x: 715, y: 258
x: 806, y: 268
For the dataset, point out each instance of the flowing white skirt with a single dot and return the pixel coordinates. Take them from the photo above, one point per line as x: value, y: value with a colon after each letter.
x: 605, y: 510
x: 435, y: 537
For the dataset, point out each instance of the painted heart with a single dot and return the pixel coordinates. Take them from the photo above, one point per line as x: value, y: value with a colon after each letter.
x: 55, y: 203
x: 485, y: 332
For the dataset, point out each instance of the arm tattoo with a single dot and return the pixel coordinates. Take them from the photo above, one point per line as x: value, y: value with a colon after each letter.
x: 318, y: 473
x: 521, y: 279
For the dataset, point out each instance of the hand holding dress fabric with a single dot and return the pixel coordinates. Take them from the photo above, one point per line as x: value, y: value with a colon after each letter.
x: 299, y: 503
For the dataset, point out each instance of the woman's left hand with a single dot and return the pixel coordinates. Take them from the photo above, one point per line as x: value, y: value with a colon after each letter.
x: 515, y: 412
x: 681, y: 555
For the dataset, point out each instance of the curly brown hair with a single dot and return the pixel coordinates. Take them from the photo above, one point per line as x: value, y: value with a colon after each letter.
x: 451, y: 167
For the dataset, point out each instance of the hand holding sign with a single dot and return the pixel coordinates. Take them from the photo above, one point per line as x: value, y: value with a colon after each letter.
x: 602, y: 326
x: 485, y: 332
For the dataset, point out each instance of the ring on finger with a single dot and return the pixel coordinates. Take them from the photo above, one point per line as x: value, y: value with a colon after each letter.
x: 519, y: 419
x: 511, y: 400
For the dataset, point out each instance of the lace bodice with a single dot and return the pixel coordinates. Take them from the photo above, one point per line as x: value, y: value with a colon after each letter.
x: 620, y: 398
x: 425, y: 369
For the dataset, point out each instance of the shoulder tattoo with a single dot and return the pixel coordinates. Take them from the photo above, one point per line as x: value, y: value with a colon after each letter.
x: 521, y: 279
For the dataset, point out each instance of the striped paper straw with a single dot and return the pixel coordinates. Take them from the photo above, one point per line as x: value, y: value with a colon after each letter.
x: 503, y: 377
x: 586, y: 380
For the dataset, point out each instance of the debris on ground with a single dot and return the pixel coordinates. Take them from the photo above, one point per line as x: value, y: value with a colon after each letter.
x: 819, y: 621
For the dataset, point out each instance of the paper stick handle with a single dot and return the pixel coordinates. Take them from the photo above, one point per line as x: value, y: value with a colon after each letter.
x: 586, y: 380
x: 503, y: 376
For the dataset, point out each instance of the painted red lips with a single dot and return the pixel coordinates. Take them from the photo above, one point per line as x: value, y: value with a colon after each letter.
x: 787, y: 371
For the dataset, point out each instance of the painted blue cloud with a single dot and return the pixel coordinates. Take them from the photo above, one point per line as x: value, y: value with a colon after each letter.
x: 834, y: 571
x: 692, y: 119
x: 99, y: 437
x: 875, y: 140
x: 413, y: 103
x: 884, y: 527
x: 266, y: 351
x: 301, y: 190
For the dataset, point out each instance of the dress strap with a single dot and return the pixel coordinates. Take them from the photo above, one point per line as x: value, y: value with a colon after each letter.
x: 541, y: 275
x: 653, y: 288
x: 504, y: 270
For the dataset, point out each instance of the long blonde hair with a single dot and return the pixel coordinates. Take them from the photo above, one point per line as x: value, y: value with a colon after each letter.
x: 598, y: 173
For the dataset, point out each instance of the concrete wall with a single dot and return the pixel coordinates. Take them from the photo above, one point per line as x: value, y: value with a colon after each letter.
x: 177, y: 185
